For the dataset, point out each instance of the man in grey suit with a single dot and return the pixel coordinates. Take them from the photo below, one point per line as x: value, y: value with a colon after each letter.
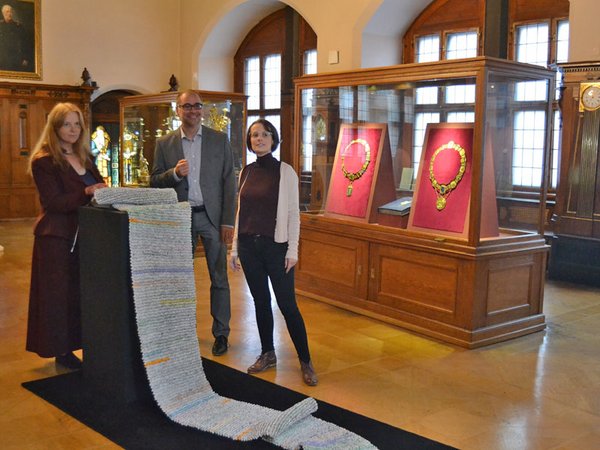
x: 197, y: 162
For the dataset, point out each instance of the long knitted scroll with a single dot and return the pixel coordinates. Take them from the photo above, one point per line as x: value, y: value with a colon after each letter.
x: 164, y: 293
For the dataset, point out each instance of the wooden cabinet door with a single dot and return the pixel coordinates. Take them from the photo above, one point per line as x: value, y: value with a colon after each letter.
x: 417, y: 282
x: 333, y: 266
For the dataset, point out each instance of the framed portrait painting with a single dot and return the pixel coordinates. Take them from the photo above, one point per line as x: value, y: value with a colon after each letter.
x: 20, y: 35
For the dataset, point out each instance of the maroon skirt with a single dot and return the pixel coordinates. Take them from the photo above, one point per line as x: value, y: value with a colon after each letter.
x: 54, y: 322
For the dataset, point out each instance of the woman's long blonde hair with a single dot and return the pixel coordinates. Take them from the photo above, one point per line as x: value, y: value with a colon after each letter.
x: 49, y: 144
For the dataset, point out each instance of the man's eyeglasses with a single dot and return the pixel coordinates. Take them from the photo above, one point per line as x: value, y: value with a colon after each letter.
x: 262, y: 134
x: 189, y: 107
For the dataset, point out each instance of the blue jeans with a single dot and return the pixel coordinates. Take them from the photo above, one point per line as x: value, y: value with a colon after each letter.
x: 262, y: 260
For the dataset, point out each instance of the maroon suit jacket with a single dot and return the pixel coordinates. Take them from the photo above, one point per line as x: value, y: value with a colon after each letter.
x: 61, y: 193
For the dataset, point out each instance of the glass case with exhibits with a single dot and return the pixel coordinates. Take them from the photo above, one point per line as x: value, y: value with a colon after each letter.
x: 427, y: 183
x: 145, y: 118
x: 508, y: 103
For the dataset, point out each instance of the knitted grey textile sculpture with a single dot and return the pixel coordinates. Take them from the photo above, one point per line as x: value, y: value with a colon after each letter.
x: 164, y: 292
x: 134, y: 196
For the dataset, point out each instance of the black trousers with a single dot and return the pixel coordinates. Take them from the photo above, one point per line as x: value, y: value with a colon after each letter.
x: 262, y: 260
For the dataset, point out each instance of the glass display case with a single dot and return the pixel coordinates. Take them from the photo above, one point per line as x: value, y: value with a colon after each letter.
x: 145, y: 118
x: 508, y: 104
x: 428, y: 183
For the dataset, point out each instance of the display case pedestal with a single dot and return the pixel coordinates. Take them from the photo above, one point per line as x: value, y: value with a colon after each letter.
x: 112, y: 361
x: 439, y: 288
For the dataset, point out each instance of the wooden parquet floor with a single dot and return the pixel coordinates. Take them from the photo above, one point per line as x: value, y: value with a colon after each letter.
x: 540, y: 391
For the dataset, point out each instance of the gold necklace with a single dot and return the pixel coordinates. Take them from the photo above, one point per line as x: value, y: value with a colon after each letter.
x: 353, y: 176
x: 443, y: 190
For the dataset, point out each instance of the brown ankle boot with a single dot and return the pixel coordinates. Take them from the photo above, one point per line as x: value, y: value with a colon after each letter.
x: 263, y: 362
x: 308, y: 373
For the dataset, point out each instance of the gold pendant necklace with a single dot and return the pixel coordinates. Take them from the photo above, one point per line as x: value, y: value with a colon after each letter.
x: 442, y: 191
x: 353, y: 176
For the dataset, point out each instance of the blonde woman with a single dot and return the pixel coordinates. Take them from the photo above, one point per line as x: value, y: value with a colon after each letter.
x: 66, y: 178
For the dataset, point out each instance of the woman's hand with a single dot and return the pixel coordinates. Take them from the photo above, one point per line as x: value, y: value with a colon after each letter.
x: 89, y: 190
x: 226, y: 234
x: 289, y: 263
x: 234, y: 263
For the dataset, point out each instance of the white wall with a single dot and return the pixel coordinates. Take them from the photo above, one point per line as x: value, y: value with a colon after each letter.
x: 214, y: 74
x: 380, y: 50
x: 584, y: 39
x: 338, y: 24
x: 131, y: 44
x: 138, y: 44
x: 211, y: 33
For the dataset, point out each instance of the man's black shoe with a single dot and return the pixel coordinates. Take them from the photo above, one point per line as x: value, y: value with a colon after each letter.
x: 220, y: 346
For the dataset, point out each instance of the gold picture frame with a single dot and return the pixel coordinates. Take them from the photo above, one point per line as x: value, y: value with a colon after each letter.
x: 20, y: 39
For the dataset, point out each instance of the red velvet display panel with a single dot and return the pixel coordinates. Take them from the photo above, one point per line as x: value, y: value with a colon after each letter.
x: 446, y: 165
x: 355, y: 205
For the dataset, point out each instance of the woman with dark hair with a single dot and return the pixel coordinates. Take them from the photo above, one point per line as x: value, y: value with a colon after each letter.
x: 266, y: 235
x: 66, y: 178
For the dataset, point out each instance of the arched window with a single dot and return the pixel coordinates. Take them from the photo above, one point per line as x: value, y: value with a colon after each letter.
x: 279, y: 48
x: 538, y: 34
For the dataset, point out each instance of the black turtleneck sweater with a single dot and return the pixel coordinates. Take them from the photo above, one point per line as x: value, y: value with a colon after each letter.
x: 258, y: 197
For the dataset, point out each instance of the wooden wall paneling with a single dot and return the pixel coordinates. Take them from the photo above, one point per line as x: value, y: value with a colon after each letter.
x: 5, y: 160
x: 448, y: 14
x: 4, y: 204
x: 442, y: 15
x: 524, y: 10
x: 20, y: 188
x: 23, y: 203
x: 5, y: 154
x: 23, y: 129
x: 24, y: 108
x: 308, y: 38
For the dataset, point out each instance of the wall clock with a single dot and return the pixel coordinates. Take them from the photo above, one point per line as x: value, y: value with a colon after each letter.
x: 589, y: 97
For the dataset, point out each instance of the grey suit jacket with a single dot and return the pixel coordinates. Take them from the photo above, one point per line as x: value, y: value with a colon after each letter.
x: 217, y: 178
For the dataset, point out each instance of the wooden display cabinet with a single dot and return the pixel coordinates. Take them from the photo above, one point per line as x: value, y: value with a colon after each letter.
x: 467, y: 288
x: 145, y: 118
x: 23, y: 111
